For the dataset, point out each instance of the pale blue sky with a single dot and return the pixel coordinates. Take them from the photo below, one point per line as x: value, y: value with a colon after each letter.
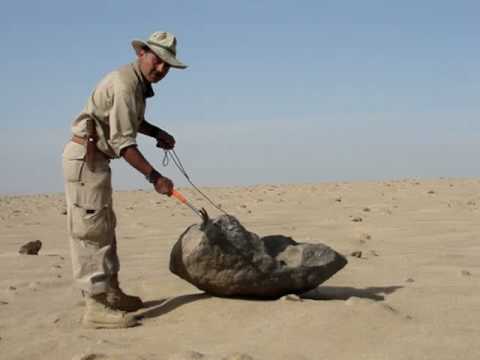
x: 276, y: 91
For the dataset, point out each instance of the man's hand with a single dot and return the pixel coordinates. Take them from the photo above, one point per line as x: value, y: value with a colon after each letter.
x: 164, y: 186
x: 165, y: 140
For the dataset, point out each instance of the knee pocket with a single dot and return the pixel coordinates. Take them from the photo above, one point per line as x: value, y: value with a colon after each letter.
x: 95, y: 225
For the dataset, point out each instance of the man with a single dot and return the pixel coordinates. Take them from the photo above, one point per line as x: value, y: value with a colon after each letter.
x: 106, y: 129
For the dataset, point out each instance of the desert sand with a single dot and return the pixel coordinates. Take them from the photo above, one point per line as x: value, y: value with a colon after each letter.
x: 411, y: 292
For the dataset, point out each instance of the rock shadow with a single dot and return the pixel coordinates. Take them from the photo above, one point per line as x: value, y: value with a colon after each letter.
x: 160, y: 307
x: 375, y: 293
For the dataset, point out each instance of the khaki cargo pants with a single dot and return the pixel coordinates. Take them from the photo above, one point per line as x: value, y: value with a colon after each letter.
x: 90, y: 220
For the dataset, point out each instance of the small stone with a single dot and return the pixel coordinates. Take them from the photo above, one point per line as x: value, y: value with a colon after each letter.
x: 33, y: 285
x: 366, y: 209
x: 357, y: 219
x: 431, y: 192
x: 3, y: 303
x: 373, y: 253
x: 64, y: 212
x: 466, y: 273
x: 239, y: 356
x: 90, y: 356
x: 357, y: 254
x: 366, y: 236
x: 410, y: 280
x: 31, y: 248
x: 187, y: 355
x: 338, y: 199
x: 13, y: 288
x: 291, y: 297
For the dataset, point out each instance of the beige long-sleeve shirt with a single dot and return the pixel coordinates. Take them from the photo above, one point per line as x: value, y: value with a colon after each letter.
x: 117, y: 104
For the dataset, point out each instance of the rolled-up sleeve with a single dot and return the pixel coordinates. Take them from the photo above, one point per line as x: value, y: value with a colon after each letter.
x: 123, y: 121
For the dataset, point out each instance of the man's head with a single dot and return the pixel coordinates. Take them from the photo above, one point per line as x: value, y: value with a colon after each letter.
x: 157, y: 55
x: 152, y: 67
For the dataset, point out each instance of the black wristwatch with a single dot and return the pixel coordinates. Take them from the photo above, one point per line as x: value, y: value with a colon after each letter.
x: 153, y: 176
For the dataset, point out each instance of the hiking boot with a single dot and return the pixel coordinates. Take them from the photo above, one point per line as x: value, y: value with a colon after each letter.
x: 99, y: 315
x: 117, y: 299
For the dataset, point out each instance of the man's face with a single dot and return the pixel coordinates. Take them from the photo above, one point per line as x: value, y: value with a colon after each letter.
x: 152, y: 67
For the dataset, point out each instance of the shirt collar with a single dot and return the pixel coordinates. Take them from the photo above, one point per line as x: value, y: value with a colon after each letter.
x: 146, y: 86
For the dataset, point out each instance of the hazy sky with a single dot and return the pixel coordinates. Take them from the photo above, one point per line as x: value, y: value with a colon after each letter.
x: 277, y: 91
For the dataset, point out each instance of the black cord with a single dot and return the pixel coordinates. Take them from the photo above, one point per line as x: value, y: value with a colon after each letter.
x: 176, y: 160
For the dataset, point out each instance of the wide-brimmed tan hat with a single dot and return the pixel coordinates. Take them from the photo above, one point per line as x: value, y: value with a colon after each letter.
x: 164, y: 45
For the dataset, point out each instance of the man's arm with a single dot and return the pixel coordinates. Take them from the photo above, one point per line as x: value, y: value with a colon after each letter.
x: 135, y: 158
x: 148, y: 129
x: 164, y: 139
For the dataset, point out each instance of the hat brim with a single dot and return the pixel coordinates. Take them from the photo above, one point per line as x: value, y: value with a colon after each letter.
x: 160, y: 52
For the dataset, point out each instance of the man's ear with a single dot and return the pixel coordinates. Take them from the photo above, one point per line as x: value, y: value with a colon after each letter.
x: 141, y: 52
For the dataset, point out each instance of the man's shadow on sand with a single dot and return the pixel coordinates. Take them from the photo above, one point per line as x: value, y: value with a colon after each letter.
x: 161, y: 307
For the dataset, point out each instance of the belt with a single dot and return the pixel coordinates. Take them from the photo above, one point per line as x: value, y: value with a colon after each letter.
x: 83, y: 141
x: 79, y: 140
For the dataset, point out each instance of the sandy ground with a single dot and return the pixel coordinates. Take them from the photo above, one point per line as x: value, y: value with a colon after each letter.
x: 413, y: 294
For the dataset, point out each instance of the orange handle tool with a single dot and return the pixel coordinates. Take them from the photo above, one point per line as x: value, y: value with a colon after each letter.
x: 184, y: 200
x: 179, y: 196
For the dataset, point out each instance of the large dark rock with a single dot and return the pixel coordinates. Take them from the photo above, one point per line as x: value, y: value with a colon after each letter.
x: 222, y: 258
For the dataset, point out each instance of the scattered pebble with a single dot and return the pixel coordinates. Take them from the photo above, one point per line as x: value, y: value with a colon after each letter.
x: 31, y: 248
x: 373, y: 253
x: 3, y: 302
x: 33, y: 286
x: 366, y: 209
x: 431, y: 192
x: 64, y: 212
x: 357, y: 219
x: 357, y: 254
x: 90, y: 356
x: 367, y: 236
x: 193, y: 355
x: 13, y: 288
x: 410, y: 280
x: 291, y: 297
x: 466, y: 273
x: 338, y: 199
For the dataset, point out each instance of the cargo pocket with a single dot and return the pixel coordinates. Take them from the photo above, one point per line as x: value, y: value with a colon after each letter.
x: 72, y: 170
x: 91, y: 224
x: 73, y: 161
